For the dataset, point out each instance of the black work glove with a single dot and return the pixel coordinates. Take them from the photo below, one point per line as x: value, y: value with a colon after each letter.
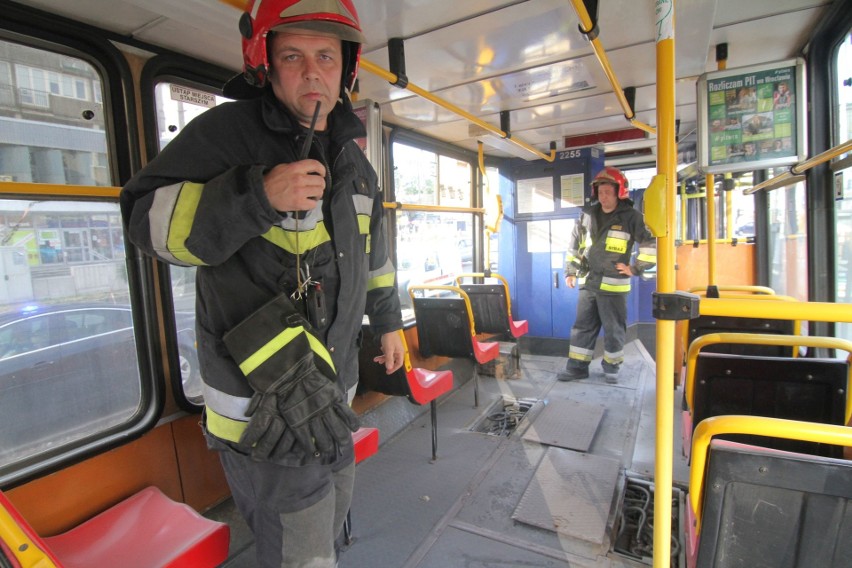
x: 581, y: 265
x: 302, y: 417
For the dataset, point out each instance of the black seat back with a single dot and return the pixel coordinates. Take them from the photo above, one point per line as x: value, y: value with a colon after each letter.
x: 703, y: 325
x: 372, y: 375
x: 490, y: 307
x: 443, y: 327
x: 810, y: 390
x: 766, y: 508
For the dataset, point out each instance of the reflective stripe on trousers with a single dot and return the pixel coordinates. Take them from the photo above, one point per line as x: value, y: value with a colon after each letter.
x: 595, y: 311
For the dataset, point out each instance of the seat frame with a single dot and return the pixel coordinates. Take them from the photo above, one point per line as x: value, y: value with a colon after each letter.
x: 148, y: 529
x: 445, y: 327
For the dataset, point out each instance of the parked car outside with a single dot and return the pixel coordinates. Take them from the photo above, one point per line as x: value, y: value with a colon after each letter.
x: 73, y: 368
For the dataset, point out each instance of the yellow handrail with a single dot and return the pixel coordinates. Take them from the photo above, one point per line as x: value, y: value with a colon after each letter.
x: 440, y: 208
x: 802, y: 167
x: 734, y: 288
x: 502, y: 279
x: 733, y: 294
x: 754, y: 425
x: 747, y: 294
x: 393, y: 78
x: 59, y: 190
x: 764, y: 339
x: 454, y: 289
x: 25, y: 551
x: 805, y: 311
x: 629, y: 114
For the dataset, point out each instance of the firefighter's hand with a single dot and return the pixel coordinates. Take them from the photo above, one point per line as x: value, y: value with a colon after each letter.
x: 571, y: 281
x: 623, y: 269
x: 297, y: 186
x: 393, y: 352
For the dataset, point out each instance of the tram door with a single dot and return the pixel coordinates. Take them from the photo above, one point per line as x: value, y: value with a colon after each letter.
x: 548, y: 201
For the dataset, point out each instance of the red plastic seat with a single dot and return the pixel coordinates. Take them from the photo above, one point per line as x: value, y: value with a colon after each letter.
x: 366, y: 441
x: 519, y: 327
x: 146, y: 530
x: 426, y: 386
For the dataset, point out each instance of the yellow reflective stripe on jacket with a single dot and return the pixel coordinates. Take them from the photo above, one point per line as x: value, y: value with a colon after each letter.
x: 181, y: 222
x: 647, y: 254
x: 170, y: 219
x: 224, y: 427
x: 615, y: 285
x: 381, y: 278
x: 307, y: 239
x: 616, y: 241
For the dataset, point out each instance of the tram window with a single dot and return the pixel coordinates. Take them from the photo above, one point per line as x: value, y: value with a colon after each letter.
x: 176, y: 106
x: 843, y: 210
x: 742, y: 207
x: 68, y: 359
x: 54, y: 130
x: 432, y: 247
x: 788, y: 253
x: 640, y: 178
x: 493, y: 212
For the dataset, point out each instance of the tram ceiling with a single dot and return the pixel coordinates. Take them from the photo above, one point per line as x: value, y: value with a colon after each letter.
x: 527, y: 57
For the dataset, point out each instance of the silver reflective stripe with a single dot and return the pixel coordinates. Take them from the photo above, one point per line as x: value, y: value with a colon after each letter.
x: 311, y: 220
x: 581, y: 354
x: 618, y: 235
x: 614, y: 358
x: 225, y: 404
x: 363, y: 204
x: 159, y: 219
x: 615, y: 281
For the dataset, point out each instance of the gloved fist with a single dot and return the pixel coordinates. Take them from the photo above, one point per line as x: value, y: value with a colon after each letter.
x: 301, y: 418
x: 581, y: 265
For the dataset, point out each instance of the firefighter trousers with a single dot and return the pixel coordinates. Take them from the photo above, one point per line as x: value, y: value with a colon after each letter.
x: 596, y: 310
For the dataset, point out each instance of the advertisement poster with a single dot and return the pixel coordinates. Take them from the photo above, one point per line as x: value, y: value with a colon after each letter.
x: 750, y: 119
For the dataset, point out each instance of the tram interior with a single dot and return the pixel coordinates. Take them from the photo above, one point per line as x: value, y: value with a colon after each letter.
x: 530, y: 471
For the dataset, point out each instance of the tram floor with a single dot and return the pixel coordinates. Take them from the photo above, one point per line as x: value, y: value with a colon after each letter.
x: 408, y: 512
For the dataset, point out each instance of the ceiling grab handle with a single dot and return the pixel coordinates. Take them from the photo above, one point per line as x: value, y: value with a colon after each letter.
x: 590, y: 30
x: 392, y: 79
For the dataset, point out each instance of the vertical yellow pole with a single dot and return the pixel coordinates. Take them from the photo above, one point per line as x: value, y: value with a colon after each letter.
x: 710, y: 183
x: 710, y: 199
x: 666, y: 165
x: 729, y: 214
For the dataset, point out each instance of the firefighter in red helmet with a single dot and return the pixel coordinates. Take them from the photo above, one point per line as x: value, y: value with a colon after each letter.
x: 600, y: 257
x: 268, y: 197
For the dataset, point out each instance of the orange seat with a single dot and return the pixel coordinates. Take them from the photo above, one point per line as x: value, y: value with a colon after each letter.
x: 146, y: 530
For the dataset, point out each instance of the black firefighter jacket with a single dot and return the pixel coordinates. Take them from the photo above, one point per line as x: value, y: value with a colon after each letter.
x: 603, y: 245
x: 201, y: 203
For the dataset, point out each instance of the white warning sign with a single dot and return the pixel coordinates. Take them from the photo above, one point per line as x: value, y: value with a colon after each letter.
x: 192, y: 96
